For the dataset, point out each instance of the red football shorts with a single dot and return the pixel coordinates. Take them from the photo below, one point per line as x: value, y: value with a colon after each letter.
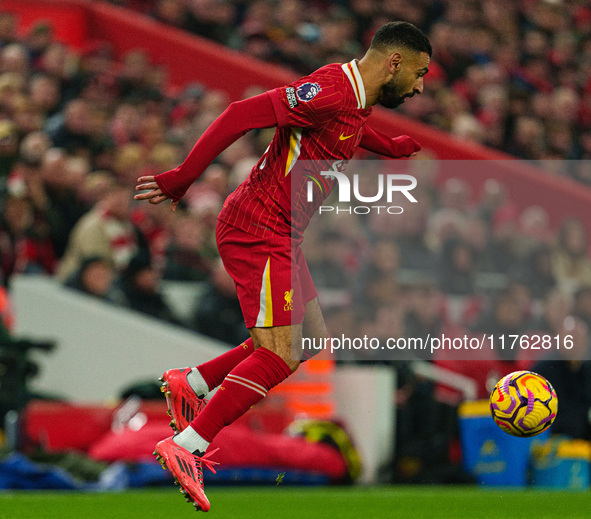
x: 271, y: 276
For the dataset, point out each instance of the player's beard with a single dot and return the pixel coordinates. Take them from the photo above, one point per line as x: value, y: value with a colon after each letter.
x: 393, y: 95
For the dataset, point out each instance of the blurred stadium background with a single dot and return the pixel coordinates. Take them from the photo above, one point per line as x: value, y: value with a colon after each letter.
x: 100, y: 295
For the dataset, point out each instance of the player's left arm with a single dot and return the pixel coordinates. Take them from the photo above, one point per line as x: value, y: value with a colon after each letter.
x: 393, y: 147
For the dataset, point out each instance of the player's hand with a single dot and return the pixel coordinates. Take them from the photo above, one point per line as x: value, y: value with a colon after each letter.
x: 405, y: 146
x: 153, y: 193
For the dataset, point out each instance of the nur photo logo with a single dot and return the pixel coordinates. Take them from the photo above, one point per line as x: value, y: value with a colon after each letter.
x: 387, y: 186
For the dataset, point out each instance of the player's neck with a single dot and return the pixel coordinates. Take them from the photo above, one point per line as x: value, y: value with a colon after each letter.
x: 373, y: 76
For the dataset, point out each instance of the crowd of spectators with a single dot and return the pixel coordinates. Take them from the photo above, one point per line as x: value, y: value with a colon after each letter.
x: 513, y: 75
x: 77, y: 128
x: 456, y: 263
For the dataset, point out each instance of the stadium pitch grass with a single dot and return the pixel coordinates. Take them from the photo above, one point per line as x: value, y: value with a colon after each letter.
x: 430, y: 502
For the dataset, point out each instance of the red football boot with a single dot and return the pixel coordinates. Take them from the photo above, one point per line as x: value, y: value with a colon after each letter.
x: 187, y: 470
x: 183, y: 404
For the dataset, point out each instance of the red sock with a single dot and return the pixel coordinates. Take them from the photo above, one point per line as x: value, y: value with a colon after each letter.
x: 214, y: 371
x: 246, y: 385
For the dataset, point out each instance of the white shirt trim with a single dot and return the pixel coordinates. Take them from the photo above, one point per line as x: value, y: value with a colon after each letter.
x: 355, y: 77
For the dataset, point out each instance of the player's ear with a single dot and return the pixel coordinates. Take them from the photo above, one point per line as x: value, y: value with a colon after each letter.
x: 394, y: 62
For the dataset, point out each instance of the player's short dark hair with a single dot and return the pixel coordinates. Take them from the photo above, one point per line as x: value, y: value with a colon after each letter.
x: 401, y: 34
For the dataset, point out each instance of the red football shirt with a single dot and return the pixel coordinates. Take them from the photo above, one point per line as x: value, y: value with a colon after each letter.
x: 319, y: 118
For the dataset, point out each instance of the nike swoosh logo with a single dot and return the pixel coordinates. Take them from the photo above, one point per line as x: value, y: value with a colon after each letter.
x: 345, y: 137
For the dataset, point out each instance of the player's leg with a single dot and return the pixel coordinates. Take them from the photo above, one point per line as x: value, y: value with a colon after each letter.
x: 246, y: 385
x: 266, y: 273
x: 185, y: 388
x: 313, y: 325
x: 262, y: 272
x: 283, y: 341
x: 209, y: 375
x: 314, y: 328
x: 277, y: 355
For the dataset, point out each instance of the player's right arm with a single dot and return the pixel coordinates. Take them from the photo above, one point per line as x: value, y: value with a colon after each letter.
x: 239, y: 118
